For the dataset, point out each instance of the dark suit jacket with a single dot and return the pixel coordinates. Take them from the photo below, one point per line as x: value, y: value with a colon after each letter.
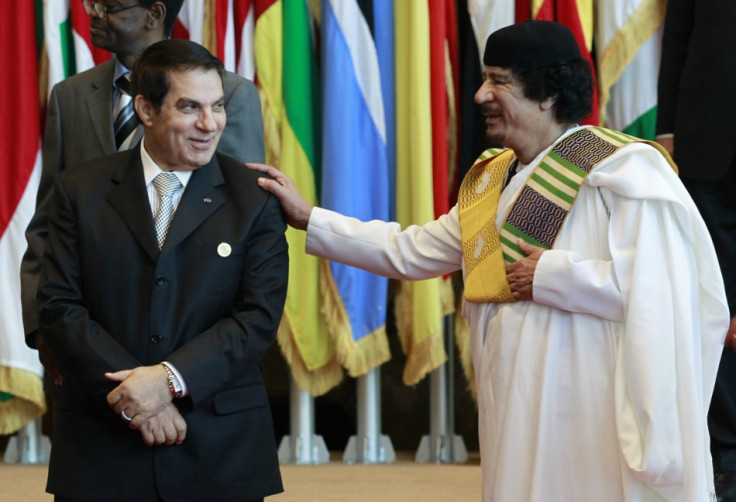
x: 697, y: 86
x: 79, y: 129
x: 109, y: 300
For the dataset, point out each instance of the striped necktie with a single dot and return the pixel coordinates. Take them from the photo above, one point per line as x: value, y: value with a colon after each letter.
x: 126, y: 120
x: 166, y: 185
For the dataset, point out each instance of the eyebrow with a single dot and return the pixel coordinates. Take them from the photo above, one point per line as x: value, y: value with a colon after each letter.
x: 192, y: 101
x: 497, y: 74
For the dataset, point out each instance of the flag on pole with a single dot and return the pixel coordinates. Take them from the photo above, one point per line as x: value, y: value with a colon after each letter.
x: 442, y: 43
x: 284, y: 46
x: 67, y: 41
x: 438, y: 106
x: 21, y: 388
x: 628, y: 41
x: 487, y: 16
x: 543, y: 10
x: 189, y: 23
x: 419, y: 309
x: 443, y: 69
x: 244, y: 19
x: 58, y: 41
x: 224, y: 27
x: 523, y: 10
x: 355, y: 178
x: 383, y: 33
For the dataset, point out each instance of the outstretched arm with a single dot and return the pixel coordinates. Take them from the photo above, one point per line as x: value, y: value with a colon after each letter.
x: 296, y: 208
x: 418, y: 252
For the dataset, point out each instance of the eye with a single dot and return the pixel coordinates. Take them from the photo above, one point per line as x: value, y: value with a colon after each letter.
x: 218, y: 107
x: 187, y: 107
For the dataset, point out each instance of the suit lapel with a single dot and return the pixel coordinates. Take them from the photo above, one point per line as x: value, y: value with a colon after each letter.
x: 99, y: 107
x: 130, y: 200
x: 199, y: 201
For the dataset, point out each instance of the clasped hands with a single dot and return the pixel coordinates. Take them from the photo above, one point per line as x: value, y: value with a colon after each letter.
x: 143, y: 395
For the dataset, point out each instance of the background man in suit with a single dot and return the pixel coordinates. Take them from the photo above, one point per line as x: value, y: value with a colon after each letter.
x: 696, y: 122
x: 159, y: 328
x: 81, y: 119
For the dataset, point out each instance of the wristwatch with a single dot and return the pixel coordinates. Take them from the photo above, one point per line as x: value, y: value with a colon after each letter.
x: 174, y: 385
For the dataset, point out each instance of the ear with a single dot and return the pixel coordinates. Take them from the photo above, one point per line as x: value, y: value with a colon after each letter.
x: 547, y: 103
x: 144, y: 109
x: 156, y: 16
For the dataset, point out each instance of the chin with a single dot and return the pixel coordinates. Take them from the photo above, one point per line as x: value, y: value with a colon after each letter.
x: 101, y: 42
x: 495, y: 138
x: 197, y: 161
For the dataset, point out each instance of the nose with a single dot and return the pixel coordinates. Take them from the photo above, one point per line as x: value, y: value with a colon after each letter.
x: 207, y: 120
x: 484, y: 93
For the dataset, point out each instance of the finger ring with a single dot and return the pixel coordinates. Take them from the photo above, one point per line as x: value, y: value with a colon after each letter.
x: 125, y: 416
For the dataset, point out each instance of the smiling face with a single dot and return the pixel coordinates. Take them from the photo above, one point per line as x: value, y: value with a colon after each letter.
x: 510, y: 116
x: 183, y: 134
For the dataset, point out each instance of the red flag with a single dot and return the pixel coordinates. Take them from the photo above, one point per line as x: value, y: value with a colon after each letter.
x: 21, y: 389
x: 438, y: 99
x: 240, y: 14
x: 221, y: 18
x: 20, y: 109
x: 523, y: 10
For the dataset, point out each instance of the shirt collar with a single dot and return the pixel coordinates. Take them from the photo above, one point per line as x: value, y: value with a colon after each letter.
x: 120, y: 69
x: 151, y: 169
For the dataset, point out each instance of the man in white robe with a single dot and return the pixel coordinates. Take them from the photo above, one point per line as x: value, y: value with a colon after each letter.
x: 594, y: 380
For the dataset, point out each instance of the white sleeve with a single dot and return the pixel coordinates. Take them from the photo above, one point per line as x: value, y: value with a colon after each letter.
x: 419, y: 252
x: 566, y: 281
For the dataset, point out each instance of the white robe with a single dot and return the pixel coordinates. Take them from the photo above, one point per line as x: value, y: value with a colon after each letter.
x: 597, y: 390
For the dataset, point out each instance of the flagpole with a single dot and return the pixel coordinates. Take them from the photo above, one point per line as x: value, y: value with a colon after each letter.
x: 369, y: 446
x: 302, y: 446
x: 28, y: 445
x: 442, y: 445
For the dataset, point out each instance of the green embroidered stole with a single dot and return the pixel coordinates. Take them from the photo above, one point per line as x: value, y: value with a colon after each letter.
x: 538, y: 213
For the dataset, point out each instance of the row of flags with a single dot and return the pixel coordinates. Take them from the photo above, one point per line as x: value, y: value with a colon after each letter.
x: 44, y: 41
x: 367, y: 105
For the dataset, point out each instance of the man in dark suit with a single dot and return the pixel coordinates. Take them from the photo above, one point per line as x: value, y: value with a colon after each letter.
x: 696, y: 122
x: 159, y: 328
x: 80, y: 117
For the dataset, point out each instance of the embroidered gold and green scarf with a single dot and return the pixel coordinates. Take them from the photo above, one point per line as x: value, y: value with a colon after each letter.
x: 538, y: 213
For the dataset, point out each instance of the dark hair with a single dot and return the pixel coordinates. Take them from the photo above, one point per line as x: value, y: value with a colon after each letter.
x: 570, y: 83
x: 150, y: 74
x: 172, y: 11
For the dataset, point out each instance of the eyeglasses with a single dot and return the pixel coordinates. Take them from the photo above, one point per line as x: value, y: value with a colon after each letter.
x: 102, y: 9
